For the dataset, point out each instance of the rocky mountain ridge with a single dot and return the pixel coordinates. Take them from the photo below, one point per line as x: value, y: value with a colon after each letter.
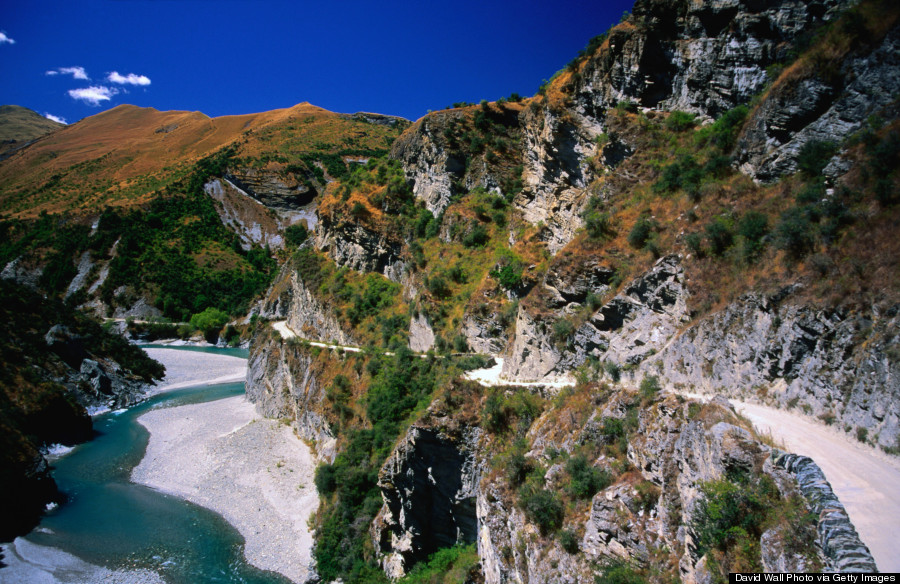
x: 552, y: 198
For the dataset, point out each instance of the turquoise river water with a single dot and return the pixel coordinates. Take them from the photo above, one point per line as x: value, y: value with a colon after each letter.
x: 110, y: 521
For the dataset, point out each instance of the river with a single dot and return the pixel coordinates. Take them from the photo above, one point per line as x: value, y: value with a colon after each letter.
x: 111, y: 522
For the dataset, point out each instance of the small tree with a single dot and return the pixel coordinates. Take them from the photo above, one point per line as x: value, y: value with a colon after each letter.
x: 210, y: 322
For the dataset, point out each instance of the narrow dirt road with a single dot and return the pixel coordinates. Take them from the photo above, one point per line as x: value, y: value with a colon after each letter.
x: 866, y: 481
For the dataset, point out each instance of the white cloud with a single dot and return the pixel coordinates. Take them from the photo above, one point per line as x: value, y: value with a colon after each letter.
x: 56, y: 119
x: 75, y: 72
x: 94, y: 94
x: 6, y: 39
x: 130, y: 79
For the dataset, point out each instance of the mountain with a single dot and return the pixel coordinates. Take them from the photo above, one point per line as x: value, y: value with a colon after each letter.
x: 704, y: 199
x: 20, y: 126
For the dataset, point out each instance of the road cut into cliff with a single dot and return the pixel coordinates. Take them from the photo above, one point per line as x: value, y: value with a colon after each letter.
x: 866, y: 481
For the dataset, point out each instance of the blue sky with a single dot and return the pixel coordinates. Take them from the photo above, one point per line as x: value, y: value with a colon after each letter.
x: 75, y: 58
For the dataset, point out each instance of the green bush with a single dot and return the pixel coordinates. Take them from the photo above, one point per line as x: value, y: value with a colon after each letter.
x: 795, y: 233
x: 641, y: 232
x: 518, y: 466
x: 814, y: 156
x: 509, y: 276
x: 613, y: 370
x: 585, y: 480
x: 719, y: 236
x: 541, y: 507
x: 568, y: 539
x: 476, y: 237
x: 454, y: 565
x: 619, y: 572
x: 563, y: 329
x: 722, y: 134
x: 210, y: 322
x: 437, y: 286
x: 694, y: 242
x: 325, y: 479
x: 679, y: 121
x: 752, y: 227
x: 650, y: 386
x: 295, y: 235
x: 728, y: 512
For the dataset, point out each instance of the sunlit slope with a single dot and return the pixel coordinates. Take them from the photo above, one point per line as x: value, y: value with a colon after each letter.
x: 19, y: 126
x: 122, y: 156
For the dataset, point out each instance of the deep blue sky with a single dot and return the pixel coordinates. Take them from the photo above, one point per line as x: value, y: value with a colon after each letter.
x: 240, y: 56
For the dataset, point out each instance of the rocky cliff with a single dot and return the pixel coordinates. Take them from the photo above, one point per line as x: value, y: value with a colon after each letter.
x: 679, y: 208
x: 290, y: 299
x: 284, y: 381
x: 680, y: 455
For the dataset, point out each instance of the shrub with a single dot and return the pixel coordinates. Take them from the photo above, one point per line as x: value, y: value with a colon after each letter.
x: 438, y: 287
x: 476, y: 237
x: 585, y: 480
x: 729, y: 512
x: 795, y: 233
x: 541, y: 507
x: 679, y: 121
x: 448, y: 565
x: 752, y: 227
x: 814, y: 156
x: 598, y: 225
x: 694, y: 242
x: 613, y: 370
x: 509, y: 276
x: 563, y: 329
x: 723, y: 132
x: 650, y: 386
x: 358, y: 210
x: 210, y: 321
x: 619, y: 572
x: 325, y: 479
x: 641, y: 232
x: 719, y: 235
x: 568, y: 539
x: 295, y: 235
x: 518, y: 466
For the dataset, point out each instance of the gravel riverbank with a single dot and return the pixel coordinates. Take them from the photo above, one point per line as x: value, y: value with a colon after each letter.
x: 254, y: 472
x: 188, y: 368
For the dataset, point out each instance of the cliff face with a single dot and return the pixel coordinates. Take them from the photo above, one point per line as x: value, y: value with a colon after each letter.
x: 830, y: 364
x: 824, y: 101
x: 289, y: 298
x: 599, y: 232
x: 703, y: 57
x: 676, y: 451
x: 625, y: 330
x: 360, y: 248
x: 283, y: 381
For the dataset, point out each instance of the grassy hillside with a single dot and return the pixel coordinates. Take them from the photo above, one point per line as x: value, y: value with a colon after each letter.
x: 126, y: 186
x: 19, y: 125
x: 124, y: 156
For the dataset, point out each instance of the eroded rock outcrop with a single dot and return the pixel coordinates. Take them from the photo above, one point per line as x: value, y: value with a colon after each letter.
x: 249, y: 218
x: 626, y: 330
x: 829, y: 363
x: 283, y: 381
x: 273, y: 187
x: 646, y: 515
x: 360, y: 248
x: 290, y: 299
x: 429, y: 486
x: 821, y: 106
